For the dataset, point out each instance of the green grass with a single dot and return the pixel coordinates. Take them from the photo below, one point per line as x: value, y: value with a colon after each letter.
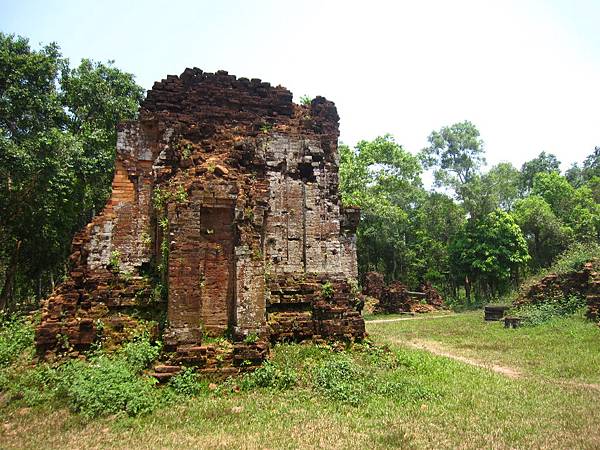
x: 369, y: 317
x: 365, y: 397
x: 565, y: 348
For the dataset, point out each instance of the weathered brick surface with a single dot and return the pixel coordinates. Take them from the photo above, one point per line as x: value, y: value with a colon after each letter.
x: 583, y: 283
x: 227, y: 193
x: 373, y: 284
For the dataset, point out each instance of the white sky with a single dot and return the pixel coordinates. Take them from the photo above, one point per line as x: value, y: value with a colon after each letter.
x: 527, y: 73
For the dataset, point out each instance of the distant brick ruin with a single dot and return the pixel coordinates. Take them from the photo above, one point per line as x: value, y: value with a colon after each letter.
x: 225, y: 214
x: 394, y: 298
x: 584, y: 283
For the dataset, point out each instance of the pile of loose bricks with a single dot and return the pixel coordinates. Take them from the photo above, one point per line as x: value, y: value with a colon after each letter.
x: 581, y: 283
x: 395, y: 297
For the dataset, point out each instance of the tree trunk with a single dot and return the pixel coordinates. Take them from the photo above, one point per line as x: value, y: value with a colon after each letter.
x: 9, y: 279
x: 468, y: 290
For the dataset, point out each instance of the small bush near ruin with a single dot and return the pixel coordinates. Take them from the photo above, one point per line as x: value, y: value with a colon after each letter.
x: 538, y: 313
x: 16, y: 336
x: 106, y: 386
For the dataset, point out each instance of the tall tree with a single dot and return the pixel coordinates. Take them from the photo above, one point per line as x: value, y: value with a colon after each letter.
x: 591, y: 165
x: 543, y: 163
x: 496, y: 189
x: 489, y: 253
x: 456, y: 153
x: 438, y: 219
x: 576, y: 208
x: 546, y: 234
x: 57, y: 139
x: 384, y: 180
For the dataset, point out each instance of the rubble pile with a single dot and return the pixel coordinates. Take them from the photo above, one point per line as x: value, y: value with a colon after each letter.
x: 582, y: 283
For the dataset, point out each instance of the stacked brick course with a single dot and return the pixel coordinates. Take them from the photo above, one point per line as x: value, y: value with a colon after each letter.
x: 227, y: 193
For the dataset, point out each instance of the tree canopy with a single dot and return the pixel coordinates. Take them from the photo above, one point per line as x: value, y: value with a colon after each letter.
x: 57, y: 144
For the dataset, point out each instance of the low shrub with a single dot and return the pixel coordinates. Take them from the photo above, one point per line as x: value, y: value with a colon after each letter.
x: 139, y: 353
x: 106, y: 386
x: 186, y: 383
x: 340, y: 378
x: 16, y: 336
x: 271, y: 375
x: 539, y: 313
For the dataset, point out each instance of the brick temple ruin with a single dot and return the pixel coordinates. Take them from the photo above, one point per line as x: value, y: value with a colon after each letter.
x: 225, y: 214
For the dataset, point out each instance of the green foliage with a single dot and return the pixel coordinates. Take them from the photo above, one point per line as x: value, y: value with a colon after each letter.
x: 31, y: 385
x: 575, y: 257
x: 539, y: 313
x: 543, y: 163
x: 163, y: 196
x: 251, y: 338
x: 57, y: 144
x: 340, y: 378
x: 186, y: 383
x: 110, y: 384
x: 305, y: 100
x: 384, y: 181
x: 16, y: 336
x: 264, y: 128
x: 575, y: 208
x: 114, y: 261
x: 106, y: 386
x: 546, y: 235
x: 327, y: 290
x: 496, y: 189
x: 490, y: 251
x: 271, y: 376
x: 140, y: 352
x: 591, y: 164
x: 102, y: 385
x: 456, y: 152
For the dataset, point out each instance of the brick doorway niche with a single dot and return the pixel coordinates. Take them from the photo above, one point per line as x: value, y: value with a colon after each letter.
x: 201, y: 272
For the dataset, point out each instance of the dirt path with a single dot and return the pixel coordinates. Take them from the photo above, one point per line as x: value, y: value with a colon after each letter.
x: 437, y: 349
x: 412, y: 318
x: 510, y: 372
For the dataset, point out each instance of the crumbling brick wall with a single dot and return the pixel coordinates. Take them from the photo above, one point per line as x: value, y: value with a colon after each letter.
x: 583, y: 283
x: 225, y: 211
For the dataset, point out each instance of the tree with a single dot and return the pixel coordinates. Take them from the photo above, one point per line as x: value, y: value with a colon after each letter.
x: 498, y: 188
x: 456, y: 152
x: 437, y: 221
x: 543, y: 163
x: 591, y: 165
x: 384, y: 180
x: 546, y: 235
x: 594, y: 185
x: 489, y: 253
x: 57, y: 140
x: 98, y: 96
x: 576, y: 208
x: 575, y: 175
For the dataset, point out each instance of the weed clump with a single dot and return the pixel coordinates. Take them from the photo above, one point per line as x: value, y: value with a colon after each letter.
x: 106, y: 386
x: 272, y: 376
x: 340, y: 378
x: 16, y: 336
x: 539, y: 313
x: 186, y: 383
